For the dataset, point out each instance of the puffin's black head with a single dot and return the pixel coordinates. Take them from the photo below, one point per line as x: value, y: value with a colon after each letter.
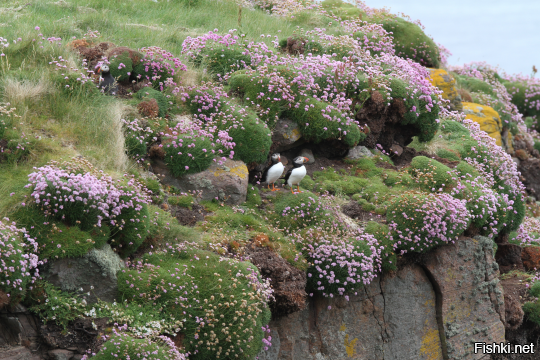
x: 276, y: 158
x: 104, y: 69
x: 300, y: 160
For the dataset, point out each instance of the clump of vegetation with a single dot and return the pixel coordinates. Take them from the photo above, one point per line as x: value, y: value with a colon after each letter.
x: 84, y: 198
x: 419, y: 222
x: 340, y: 265
x: 18, y: 261
x: 121, y: 66
x: 146, y: 94
x: 204, y: 291
x: 298, y: 211
x: 431, y: 174
x: 412, y: 43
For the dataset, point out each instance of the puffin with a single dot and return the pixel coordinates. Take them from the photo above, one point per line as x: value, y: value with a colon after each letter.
x: 274, y: 172
x: 295, y: 175
x: 106, y: 80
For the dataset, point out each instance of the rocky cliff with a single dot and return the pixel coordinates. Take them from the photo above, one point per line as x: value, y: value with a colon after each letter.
x: 433, y: 307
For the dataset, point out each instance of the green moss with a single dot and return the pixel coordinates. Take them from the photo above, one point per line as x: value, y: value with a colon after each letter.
x: 431, y: 174
x: 366, y: 167
x: 342, y: 9
x: 412, y: 43
x: 447, y: 154
x: 249, y: 133
x: 183, y: 201
x: 473, y: 84
x: 349, y: 185
x: 182, y: 164
x: 130, y: 230
x: 149, y: 93
x: 382, y: 234
x: 222, y: 60
x: 119, y: 72
x: 467, y: 170
x: 307, y: 183
x: 301, y: 210
x: 253, y: 197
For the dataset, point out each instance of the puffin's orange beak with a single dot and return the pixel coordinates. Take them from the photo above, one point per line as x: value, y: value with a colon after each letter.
x: 279, y: 158
x: 98, y: 70
x: 306, y: 159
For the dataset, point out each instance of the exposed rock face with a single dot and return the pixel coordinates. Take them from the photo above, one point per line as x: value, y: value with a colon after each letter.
x: 286, y: 135
x: 509, y: 257
x: 384, y: 123
x: 18, y: 326
x: 96, y: 269
x: 432, y: 310
x: 359, y: 152
x: 227, y: 182
x: 530, y: 173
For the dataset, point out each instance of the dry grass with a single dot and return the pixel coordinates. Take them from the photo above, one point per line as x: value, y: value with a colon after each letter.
x: 117, y: 158
x: 18, y: 92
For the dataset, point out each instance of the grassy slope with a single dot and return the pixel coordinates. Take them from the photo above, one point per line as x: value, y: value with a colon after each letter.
x: 91, y: 126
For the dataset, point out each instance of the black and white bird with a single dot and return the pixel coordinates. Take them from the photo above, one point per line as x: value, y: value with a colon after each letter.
x: 295, y: 175
x: 274, y: 172
x: 106, y: 80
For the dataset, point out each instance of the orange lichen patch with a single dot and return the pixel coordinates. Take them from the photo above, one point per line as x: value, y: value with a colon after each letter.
x: 441, y: 79
x: 487, y: 117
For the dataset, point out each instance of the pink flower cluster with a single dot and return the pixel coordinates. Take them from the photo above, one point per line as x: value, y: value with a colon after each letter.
x: 61, y: 192
x: 342, y: 265
x: 437, y: 219
x: 18, y: 261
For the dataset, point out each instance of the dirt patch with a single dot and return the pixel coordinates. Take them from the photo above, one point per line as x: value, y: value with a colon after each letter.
x: 508, y: 257
x: 384, y: 123
x: 355, y: 211
x: 295, y: 46
x: 288, y: 282
x: 530, y: 173
x: 189, y: 217
x: 82, y: 334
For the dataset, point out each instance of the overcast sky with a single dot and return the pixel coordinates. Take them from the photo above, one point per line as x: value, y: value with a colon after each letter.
x: 504, y: 33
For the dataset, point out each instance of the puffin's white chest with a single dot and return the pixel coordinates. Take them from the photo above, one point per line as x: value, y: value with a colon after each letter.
x: 274, y: 173
x: 296, y: 176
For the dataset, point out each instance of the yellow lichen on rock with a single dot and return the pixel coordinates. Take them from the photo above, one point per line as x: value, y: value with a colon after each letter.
x: 431, y: 345
x: 447, y: 84
x: 487, y: 117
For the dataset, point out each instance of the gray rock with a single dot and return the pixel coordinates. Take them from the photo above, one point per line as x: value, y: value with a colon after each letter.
x: 96, y: 269
x: 358, y: 152
x: 60, y: 354
x: 396, y: 149
x: 227, y: 182
x: 433, y: 310
x: 286, y: 135
x: 18, y: 353
x: 309, y: 154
